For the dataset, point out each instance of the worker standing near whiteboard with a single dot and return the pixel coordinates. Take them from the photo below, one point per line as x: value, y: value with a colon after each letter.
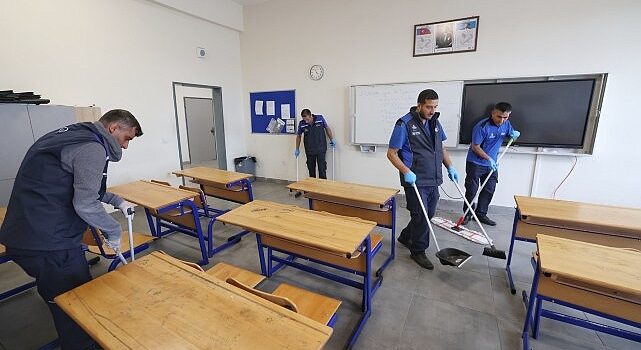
x: 313, y: 127
x: 416, y: 150
x: 487, y: 137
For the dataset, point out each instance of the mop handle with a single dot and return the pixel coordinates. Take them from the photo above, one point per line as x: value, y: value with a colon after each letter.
x: 478, y: 192
x: 296, y: 169
x: 130, y: 214
x: 333, y: 163
x: 122, y: 258
x: 429, y: 224
x: 474, y: 214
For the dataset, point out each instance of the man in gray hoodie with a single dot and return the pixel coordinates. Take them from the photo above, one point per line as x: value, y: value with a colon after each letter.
x: 58, y: 192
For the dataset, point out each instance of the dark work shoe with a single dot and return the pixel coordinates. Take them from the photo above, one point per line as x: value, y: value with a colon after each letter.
x: 422, y: 261
x: 466, y: 219
x: 484, y: 219
x: 407, y: 243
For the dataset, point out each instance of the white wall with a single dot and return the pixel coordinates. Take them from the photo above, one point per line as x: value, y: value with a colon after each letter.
x: 122, y: 54
x: 370, y: 41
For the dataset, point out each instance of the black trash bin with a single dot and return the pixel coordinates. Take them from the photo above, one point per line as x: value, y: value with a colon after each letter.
x: 246, y: 165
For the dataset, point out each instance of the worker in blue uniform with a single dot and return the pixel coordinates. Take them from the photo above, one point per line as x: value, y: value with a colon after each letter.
x: 487, y: 137
x: 58, y: 191
x: 416, y: 150
x: 313, y: 128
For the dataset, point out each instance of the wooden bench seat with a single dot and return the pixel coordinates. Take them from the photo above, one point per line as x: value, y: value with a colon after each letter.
x: 315, y: 306
x: 224, y: 271
x: 139, y: 238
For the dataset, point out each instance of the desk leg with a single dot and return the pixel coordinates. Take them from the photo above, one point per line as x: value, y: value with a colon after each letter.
x: 199, y: 231
x: 530, y: 309
x: 517, y: 216
x: 150, y: 221
x: 367, y: 289
x: 250, y: 192
x: 392, y: 205
x: 261, y: 255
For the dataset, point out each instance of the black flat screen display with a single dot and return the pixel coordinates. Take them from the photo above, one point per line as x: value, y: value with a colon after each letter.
x: 547, y: 113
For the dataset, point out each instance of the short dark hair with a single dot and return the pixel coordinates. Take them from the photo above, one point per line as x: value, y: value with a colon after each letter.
x: 503, y: 107
x: 305, y: 112
x: 428, y: 94
x: 122, y: 117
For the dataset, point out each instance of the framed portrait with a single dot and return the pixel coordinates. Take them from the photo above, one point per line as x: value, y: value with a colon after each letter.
x: 457, y: 35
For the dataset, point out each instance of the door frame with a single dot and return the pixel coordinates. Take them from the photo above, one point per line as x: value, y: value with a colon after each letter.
x: 219, y: 122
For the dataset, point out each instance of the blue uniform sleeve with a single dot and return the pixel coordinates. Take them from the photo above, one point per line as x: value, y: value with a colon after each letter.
x: 322, y: 120
x: 300, y: 128
x: 478, y: 135
x: 399, y: 135
x: 441, y: 132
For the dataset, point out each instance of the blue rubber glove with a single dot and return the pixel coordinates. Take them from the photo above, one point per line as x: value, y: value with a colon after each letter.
x: 493, y: 164
x: 410, y: 177
x: 296, y: 153
x: 332, y: 143
x: 452, y: 174
x: 515, y: 134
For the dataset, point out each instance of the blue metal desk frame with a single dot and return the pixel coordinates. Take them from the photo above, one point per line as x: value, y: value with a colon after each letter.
x: 535, y: 312
x: 207, y: 211
x: 389, y: 205
x: 368, y: 285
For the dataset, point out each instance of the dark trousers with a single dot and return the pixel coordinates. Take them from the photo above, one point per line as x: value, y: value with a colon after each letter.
x: 417, y: 230
x: 312, y: 160
x: 57, y: 272
x: 475, y: 175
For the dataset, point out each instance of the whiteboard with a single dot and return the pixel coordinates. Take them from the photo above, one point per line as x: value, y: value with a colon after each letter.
x: 375, y: 109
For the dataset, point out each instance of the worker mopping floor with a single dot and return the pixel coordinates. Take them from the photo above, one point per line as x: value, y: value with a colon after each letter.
x: 456, y: 227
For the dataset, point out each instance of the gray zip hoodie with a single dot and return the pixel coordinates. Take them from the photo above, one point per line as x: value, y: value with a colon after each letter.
x: 86, y: 161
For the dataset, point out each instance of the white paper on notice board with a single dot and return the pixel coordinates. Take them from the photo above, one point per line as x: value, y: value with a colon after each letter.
x: 284, y: 111
x: 258, y: 107
x: 271, y: 108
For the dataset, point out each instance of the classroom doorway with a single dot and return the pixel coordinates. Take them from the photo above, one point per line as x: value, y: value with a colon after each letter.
x: 200, y: 125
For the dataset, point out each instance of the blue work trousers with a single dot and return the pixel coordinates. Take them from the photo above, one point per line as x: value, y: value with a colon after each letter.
x: 475, y: 175
x: 417, y: 230
x: 57, y: 272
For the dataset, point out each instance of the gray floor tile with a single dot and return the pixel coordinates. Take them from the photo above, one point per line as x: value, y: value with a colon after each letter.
x: 432, y: 324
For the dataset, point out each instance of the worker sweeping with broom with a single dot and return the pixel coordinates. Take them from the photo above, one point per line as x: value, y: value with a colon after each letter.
x: 487, y: 137
x: 416, y: 150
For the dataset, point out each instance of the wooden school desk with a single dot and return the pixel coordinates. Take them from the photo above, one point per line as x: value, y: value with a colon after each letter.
x: 158, y: 199
x: 158, y: 302
x: 596, y: 279
x: 366, y: 202
x: 331, y: 240
x: 599, y: 224
x: 5, y: 258
x: 222, y: 184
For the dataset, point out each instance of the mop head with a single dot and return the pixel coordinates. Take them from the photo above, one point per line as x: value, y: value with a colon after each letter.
x: 297, y: 194
x: 461, y: 231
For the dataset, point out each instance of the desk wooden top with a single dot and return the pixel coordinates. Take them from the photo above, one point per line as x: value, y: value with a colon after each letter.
x: 614, y: 268
x: 212, y: 175
x: 151, y: 195
x: 345, y: 190
x: 580, y: 216
x: 157, y: 302
x: 334, y: 233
